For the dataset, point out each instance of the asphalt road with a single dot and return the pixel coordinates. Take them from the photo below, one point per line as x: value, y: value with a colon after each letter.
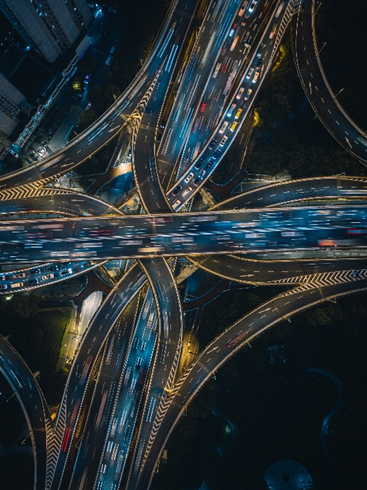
x: 226, y: 345
x: 321, y: 97
x: 255, y: 230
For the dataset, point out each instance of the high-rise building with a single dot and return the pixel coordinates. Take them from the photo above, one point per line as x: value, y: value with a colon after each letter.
x: 50, y: 26
x: 12, y: 103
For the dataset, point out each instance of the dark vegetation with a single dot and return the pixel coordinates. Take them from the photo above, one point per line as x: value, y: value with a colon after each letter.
x: 277, y: 410
x: 36, y: 334
x: 340, y: 25
x: 288, y: 136
x: 139, y: 31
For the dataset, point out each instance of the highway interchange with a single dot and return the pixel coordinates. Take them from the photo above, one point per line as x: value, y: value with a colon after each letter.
x: 129, y: 356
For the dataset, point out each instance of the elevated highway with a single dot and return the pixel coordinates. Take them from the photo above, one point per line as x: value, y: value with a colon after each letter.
x: 317, y: 89
x: 34, y: 406
x: 255, y: 230
x: 225, y: 346
x: 112, y: 121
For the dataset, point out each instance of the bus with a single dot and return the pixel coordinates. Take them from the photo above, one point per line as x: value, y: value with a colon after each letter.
x: 235, y: 41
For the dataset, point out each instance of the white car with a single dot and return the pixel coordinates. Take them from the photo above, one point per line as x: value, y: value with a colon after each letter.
x: 252, y: 6
x: 223, y: 128
x: 224, y: 139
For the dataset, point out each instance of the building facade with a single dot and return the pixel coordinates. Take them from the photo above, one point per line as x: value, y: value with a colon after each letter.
x: 49, y: 26
x: 12, y: 103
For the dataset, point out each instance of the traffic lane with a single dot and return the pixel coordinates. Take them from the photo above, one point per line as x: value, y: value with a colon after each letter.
x: 95, y: 434
x: 250, y: 271
x: 297, y: 190
x: 236, y: 110
x: 92, y: 342
x: 215, y: 232
x: 105, y: 128
x: 217, y: 89
x: 315, y: 85
x: 143, y: 154
x: 59, y: 201
x: 168, y: 352
x: 216, y: 23
x: 218, y: 352
x: 33, y: 405
x: 137, y: 364
x: 52, y: 201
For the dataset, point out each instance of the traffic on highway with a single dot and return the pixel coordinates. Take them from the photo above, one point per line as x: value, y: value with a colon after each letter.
x: 126, y: 388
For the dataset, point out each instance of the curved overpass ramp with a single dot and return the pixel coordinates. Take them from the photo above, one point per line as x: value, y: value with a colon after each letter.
x: 315, y: 85
x: 229, y: 343
x: 34, y: 407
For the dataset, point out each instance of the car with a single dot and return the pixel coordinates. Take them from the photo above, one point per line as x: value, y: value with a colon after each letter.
x: 252, y: 6
x: 33, y: 281
x: 66, y: 271
x: 17, y: 285
x: 199, y: 163
x: 176, y: 204
x: 196, y: 181
x: 242, y: 10
x: 54, y: 268
x: 224, y: 139
x: 249, y: 73
x: 248, y: 93
x: 231, y: 32
x: 3, y: 286
x: 189, y: 177
x: 234, y: 125
x: 256, y: 76
x: 203, y: 106
x: 212, y: 143
x: 176, y: 189
x: 186, y: 191
x: 19, y: 275
x: 36, y: 271
x: 223, y: 128
x: 230, y: 111
x: 272, y: 34
x: 47, y: 276
x: 238, y: 113
x: 209, y: 165
x: 240, y: 92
